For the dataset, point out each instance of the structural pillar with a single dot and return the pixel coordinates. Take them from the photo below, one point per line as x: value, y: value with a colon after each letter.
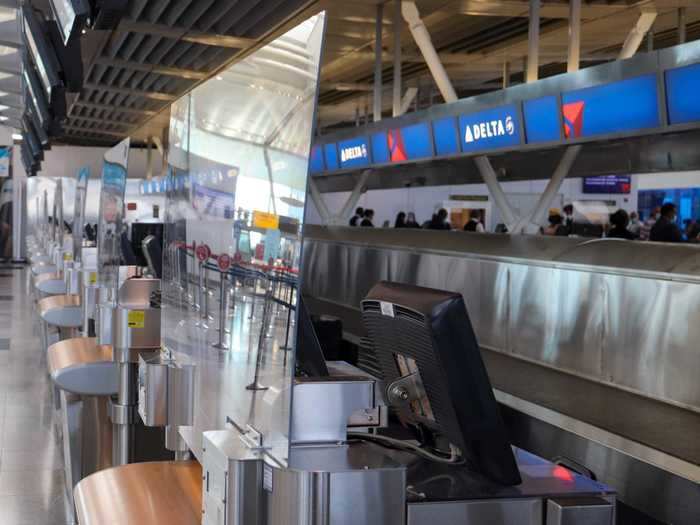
x: 681, y: 25
x: 533, y: 42
x: 397, y: 26
x: 574, y: 57
x: 378, y: 51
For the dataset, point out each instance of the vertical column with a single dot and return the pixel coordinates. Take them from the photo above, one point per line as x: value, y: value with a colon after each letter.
x: 650, y: 40
x: 397, y: 26
x: 506, y: 74
x: 574, y: 57
x: 378, y: 51
x: 681, y: 25
x: 533, y: 42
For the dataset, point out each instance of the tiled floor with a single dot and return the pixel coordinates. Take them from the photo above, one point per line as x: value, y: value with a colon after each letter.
x: 31, y: 464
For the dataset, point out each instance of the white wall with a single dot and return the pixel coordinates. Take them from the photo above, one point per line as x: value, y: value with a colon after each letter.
x: 65, y: 161
x: 425, y: 201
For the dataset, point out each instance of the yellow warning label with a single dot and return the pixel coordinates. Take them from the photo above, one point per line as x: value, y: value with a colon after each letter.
x: 93, y: 278
x: 137, y: 319
x: 68, y: 256
x: 265, y: 221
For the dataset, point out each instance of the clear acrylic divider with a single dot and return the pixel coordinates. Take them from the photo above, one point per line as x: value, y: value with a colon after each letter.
x: 236, y: 189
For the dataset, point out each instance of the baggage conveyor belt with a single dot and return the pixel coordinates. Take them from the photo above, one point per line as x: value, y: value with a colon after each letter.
x: 657, y: 425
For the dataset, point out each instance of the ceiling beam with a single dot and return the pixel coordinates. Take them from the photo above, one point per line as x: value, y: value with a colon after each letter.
x: 96, y: 120
x: 185, y: 35
x: 189, y: 74
x: 116, y: 109
x: 93, y: 131
x: 153, y: 95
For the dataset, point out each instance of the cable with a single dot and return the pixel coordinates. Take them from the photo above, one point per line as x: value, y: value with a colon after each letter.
x: 454, y: 459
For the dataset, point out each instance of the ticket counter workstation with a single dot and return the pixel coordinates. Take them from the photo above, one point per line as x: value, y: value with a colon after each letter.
x: 264, y: 430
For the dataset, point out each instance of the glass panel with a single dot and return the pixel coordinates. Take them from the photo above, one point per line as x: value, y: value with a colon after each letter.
x: 236, y: 188
x: 79, y: 213
x: 111, y: 216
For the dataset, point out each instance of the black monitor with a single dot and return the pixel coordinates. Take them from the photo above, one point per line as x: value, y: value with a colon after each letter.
x: 435, y: 377
x: 70, y: 17
x: 310, y: 360
x: 34, y: 94
x: 44, y: 59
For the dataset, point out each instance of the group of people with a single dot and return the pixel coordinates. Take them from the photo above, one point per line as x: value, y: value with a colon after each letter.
x: 661, y: 226
x: 364, y: 218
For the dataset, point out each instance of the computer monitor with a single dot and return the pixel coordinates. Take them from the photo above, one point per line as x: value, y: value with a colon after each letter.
x: 309, y: 355
x: 435, y: 377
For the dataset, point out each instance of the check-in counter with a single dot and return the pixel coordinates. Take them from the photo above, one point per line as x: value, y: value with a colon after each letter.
x: 168, y: 493
x: 84, y: 377
x: 61, y: 316
x: 47, y: 284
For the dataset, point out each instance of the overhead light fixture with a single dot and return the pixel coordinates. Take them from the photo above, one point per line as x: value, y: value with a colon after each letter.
x: 3, y: 118
x: 219, y: 77
x: 16, y: 136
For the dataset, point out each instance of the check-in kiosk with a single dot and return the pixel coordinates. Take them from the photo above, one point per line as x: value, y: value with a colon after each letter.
x: 277, y: 435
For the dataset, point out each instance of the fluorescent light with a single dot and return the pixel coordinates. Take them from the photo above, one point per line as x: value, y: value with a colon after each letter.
x: 16, y: 136
x: 3, y: 118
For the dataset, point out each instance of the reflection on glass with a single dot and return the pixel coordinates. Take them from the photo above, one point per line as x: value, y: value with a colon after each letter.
x: 239, y: 147
x: 79, y: 213
x: 111, y: 216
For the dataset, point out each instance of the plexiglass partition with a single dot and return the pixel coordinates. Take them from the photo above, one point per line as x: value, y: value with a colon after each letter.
x: 79, y: 213
x: 239, y: 147
x: 111, y: 216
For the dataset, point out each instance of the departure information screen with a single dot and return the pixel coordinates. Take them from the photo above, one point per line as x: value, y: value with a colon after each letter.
x: 611, y: 184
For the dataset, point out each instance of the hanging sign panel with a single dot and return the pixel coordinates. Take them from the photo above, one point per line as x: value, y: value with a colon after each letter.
x: 542, y: 122
x: 625, y: 106
x: 446, y: 136
x: 316, y: 163
x: 354, y: 153
x: 682, y: 89
x: 490, y: 129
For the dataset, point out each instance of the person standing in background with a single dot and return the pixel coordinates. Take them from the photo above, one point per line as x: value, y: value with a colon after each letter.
x: 400, y: 220
x: 368, y: 216
x: 620, y: 221
x: 439, y: 221
x: 474, y: 223
x: 648, y: 224
x: 666, y: 229
x: 634, y: 227
x: 359, y: 213
x: 411, y: 221
x: 568, y: 219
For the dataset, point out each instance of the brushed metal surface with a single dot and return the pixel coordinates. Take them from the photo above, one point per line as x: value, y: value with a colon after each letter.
x: 61, y: 310
x: 156, y: 492
x: 493, y: 512
x: 615, y: 312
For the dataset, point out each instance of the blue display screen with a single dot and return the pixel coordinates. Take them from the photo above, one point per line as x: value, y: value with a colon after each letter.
x: 542, y: 122
x: 354, y: 153
x: 490, y: 129
x: 316, y: 164
x: 682, y: 91
x: 380, y: 148
x: 331, y: 154
x: 410, y: 142
x: 445, y: 134
x: 620, y: 184
x: 627, y: 105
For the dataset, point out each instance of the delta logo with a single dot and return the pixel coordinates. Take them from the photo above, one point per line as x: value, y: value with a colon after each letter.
x: 353, y: 153
x: 397, y: 148
x: 490, y: 129
x: 573, y: 119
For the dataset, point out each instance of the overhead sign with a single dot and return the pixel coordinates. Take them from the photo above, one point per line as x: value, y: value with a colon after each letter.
x: 316, y: 163
x: 490, y: 129
x: 446, y: 136
x: 542, y: 121
x: 265, y: 221
x: 224, y: 262
x: 331, y: 155
x: 354, y: 153
x: 618, y: 184
x: 627, y: 105
x: 682, y: 91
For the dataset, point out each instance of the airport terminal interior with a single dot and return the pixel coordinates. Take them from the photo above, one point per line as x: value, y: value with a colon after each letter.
x: 358, y: 262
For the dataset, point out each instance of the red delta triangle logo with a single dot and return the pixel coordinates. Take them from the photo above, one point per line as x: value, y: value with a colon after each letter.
x: 573, y: 119
x: 397, y: 149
